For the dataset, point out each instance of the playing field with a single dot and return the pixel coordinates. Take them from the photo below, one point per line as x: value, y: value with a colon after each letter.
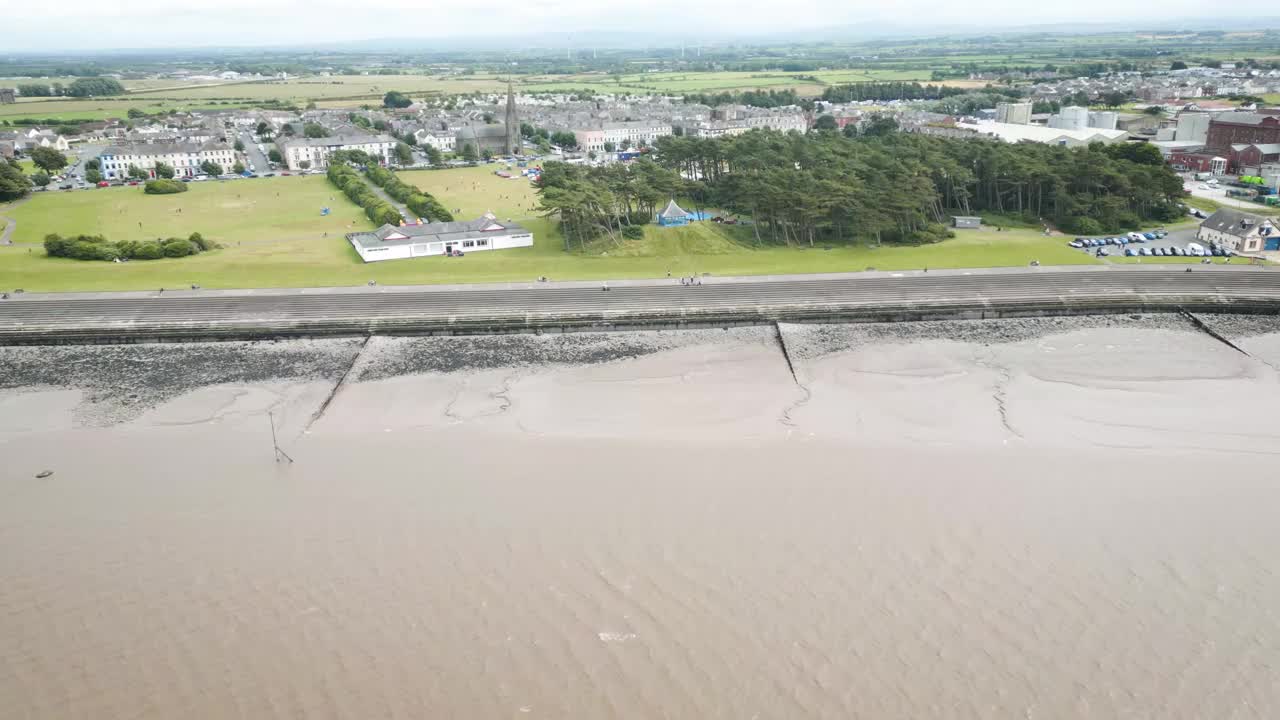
x: 273, y: 235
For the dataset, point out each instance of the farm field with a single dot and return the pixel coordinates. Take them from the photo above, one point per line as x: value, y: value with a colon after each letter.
x: 99, y: 108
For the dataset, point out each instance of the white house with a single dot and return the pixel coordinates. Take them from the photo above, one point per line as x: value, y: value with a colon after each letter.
x: 316, y: 151
x: 184, y: 158
x: 409, y: 241
x: 1239, y: 231
x: 442, y: 141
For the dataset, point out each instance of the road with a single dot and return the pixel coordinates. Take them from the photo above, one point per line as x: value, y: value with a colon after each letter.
x: 260, y: 162
x: 490, y: 308
x: 1218, y: 195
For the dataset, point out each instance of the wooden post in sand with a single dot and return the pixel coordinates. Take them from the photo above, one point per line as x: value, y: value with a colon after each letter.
x: 279, y: 453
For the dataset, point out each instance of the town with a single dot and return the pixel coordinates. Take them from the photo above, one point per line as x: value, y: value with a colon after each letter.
x: 477, y: 159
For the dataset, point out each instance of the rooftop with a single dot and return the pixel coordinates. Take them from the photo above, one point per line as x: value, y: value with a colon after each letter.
x: 391, y: 236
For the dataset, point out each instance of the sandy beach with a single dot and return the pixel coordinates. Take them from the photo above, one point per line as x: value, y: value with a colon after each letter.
x: 1054, y: 518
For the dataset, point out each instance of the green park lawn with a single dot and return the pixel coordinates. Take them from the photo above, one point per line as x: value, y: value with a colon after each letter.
x: 273, y: 235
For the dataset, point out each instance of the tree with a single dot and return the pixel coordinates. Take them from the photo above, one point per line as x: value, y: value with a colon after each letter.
x: 239, y: 145
x: 395, y: 99
x: 136, y: 113
x: 1178, y: 65
x: 380, y: 125
x: 93, y: 164
x: 469, y: 152
x: 163, y: 170
x: 48, y: 159
x: 626, y: 144
x: 1154, y: 110
x: 486, y: 155
x: 264, y: 130
x: 42, y: 178
x: 287, y: 129
x: 591, y: 155
x: 404, y: 154
x: 238, y: 168
x: 274, y: 155
x: 678, y: 131
x: 1115, y: 99
x: 825, y: 122
x: 314, y: 130
x: 94, y: 87
x: 304, y: 164
x: 488, y: 118
x: 609, y: 146
x: 137, y: 173
x: 210, y: 167
x: 410, y: 139
x: 564, y: 139
x: 13, y: 184
x: 433, y: 155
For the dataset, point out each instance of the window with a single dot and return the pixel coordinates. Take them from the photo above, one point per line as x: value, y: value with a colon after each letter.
x: 468, y: 243
x: 482, y: 243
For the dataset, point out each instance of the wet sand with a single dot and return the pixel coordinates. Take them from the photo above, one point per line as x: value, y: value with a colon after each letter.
x: 1051, y: 519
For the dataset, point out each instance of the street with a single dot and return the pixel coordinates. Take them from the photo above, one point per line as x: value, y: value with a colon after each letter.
x: 258, y: 161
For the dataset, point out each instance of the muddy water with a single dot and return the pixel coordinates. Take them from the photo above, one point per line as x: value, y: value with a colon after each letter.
x: 1053, y: 520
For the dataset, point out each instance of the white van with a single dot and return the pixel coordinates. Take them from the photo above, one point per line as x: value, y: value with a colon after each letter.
x: 1136, y: 237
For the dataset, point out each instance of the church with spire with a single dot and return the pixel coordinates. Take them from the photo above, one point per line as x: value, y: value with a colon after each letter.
x: 512, y: 122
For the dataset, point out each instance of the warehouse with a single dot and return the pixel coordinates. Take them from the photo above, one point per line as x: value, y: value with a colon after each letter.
x: 420, y: 240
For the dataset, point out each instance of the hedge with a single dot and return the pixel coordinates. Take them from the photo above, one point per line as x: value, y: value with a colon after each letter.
x: 164, y: 187
x: 97, y: 247
x: 421, y: 203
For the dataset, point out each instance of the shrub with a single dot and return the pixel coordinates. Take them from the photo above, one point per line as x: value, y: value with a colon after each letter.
x: 633, y: 232
x: 97, y: 247
x: 201, y: 244
x: 382, y: 213
x: 147, y: 251
x: 177, y: 247
x: 1084, y: 226
x: 164, y: 187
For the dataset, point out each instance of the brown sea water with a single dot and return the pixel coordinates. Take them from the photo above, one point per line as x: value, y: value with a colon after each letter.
x: 1045, y: 519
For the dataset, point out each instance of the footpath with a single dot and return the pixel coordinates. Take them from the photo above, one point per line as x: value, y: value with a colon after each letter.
x: 6, y: 235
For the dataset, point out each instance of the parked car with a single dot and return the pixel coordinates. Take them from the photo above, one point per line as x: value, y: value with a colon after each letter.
x: 1145, y: 252
x: 1148, y: 236
x: 1130, y: 252
x: 1077, y: 243
x: 104, y: 183
x: 66, y: 186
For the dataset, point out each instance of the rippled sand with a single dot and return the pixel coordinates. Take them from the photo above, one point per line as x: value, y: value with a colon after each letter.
x: 1051, y: 519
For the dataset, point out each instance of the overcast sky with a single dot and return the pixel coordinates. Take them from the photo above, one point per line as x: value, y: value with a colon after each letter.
x: 104, y: 24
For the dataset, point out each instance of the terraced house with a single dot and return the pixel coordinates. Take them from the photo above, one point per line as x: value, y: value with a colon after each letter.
x: 301, y: 153
x: 185, y: 158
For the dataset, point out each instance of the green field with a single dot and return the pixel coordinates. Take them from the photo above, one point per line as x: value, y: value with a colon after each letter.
x: 274, y: 236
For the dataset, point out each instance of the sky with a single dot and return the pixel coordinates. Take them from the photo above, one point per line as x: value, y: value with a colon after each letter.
x: 116, y: 24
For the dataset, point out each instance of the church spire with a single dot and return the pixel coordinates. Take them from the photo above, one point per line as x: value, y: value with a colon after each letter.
x: 513, y: 123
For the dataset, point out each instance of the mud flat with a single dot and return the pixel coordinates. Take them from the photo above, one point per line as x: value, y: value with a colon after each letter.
x: 1052, y: 518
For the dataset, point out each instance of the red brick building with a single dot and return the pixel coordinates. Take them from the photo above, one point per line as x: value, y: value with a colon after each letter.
x: 1241, y: 128
x: 1199, y: 162
x: 1250, y: 157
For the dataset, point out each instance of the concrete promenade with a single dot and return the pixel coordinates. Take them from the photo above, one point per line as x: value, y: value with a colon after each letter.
x: 554, y: 307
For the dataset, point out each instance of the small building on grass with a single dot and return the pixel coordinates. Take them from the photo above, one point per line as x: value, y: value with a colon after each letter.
x: 421, y: 240
x: 1240, y: 231
x: 963, y: 222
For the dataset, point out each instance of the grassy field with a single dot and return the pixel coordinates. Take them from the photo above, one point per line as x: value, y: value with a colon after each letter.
x: 274, y: 236
x: 101, y: 108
